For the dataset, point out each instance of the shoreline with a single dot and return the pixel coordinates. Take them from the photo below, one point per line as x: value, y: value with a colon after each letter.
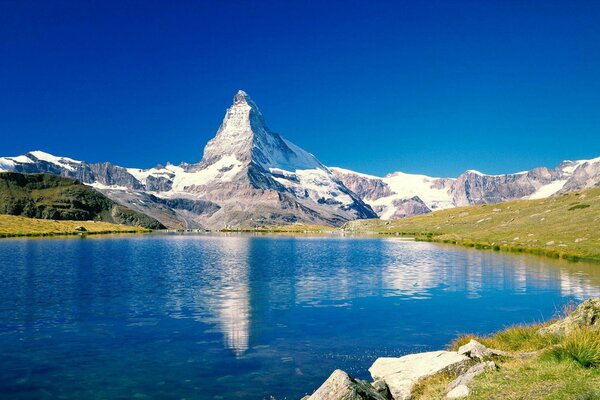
x: 559, y: 358
x: 4, y: 235
x: 50, y: 228
x: 12, y: 226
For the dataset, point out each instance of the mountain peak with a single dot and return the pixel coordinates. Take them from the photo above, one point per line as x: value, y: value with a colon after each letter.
x: 240, y: 97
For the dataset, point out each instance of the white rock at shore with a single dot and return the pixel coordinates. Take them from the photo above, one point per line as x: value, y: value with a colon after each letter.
x: 340, y: 386
x: 401, y: 374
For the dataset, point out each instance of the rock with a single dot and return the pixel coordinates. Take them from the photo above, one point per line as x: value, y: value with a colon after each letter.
x: 340, y: 386
x: 475, y: 350
x: 586, y: 314
x: 471, y: 373
x: 80, y: 229
x: 401, y: 374
x: 458, y: 392
x: 382, y: 389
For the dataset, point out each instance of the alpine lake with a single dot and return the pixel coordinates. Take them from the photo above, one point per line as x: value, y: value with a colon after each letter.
x: 224, y: 316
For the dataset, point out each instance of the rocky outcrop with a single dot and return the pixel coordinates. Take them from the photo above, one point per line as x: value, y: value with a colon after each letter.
x: 587, y: 314
x: 403, y: 373
x: 340, y: 386
x: 458, y: 387
x: 408, y: 207
x: 473, y: 187
x: 368, y: 187
x: 396, y: 378
x: 585, y: 175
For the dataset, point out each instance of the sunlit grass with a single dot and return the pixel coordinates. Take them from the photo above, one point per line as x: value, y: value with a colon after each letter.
x: 565, y: 367
x: 11, y: 225
x: 582, y: 346
x: 522, y: 338
x: 563, y: 226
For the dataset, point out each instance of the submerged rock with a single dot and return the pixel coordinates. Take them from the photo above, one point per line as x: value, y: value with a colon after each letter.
x: 587, y: 314
x: 402, y: 374
x: 341, y: 386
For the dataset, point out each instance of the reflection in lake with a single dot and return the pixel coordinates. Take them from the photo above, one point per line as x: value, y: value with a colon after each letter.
x: 215, y: 316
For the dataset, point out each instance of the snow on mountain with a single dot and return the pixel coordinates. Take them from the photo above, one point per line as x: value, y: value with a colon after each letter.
x: 389, y: 195
x: 248, y: 176
x: 548, y: 189
x: 8, y: 163
x: 251, y: 176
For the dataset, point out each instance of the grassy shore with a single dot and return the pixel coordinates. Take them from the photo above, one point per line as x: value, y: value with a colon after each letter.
x: 564, y: 367
x: 294, y: 228
x: 565, y: 226
x: 13, y: 226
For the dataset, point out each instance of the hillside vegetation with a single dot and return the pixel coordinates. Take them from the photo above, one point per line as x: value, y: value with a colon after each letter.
x: 11, y: 226
x: 565, y: 226
x: 555, y: 360
x: 48, y: 196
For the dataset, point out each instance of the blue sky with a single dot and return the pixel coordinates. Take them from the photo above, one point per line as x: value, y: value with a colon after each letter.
x: 434, y: 87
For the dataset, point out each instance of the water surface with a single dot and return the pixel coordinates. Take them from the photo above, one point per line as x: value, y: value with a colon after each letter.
x: 241, y: 316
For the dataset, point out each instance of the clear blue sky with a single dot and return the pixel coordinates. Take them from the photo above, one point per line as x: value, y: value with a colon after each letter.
x: 434, y: 87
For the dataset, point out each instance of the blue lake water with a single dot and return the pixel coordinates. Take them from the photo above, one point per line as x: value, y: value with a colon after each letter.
x: 241, y: 316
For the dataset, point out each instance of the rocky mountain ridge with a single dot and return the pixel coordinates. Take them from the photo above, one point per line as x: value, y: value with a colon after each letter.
x: 250, y: 176
x: 389, y: 196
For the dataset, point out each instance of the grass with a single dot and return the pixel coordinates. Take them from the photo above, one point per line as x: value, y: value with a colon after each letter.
x: 47, y: 196
x: 293, y: 228
x: 560, y: 226
x: 517, y: 338
x: 565, y: 368
x: 13, y: 226
x: 583, y: 347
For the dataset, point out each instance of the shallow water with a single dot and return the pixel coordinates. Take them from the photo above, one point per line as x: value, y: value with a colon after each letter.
x: 241, y: 316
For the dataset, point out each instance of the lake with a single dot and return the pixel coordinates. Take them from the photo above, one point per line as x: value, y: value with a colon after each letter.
x: 240, y: 316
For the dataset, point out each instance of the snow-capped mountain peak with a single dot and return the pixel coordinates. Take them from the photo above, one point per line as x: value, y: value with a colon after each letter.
x: 252, y: 176
x: 244, y: 135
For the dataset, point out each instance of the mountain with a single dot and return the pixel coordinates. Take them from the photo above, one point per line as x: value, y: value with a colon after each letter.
x: 398, y: 194
x: 248, y: 176
x: 48, y: 196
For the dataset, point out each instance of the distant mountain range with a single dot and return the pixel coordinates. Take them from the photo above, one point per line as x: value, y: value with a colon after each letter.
x: 250, y: 176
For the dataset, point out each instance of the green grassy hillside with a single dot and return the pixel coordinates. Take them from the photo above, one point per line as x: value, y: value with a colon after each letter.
x: 565, y: 226
x: 48, y: 196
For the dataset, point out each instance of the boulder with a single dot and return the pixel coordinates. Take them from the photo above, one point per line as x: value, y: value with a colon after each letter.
x: 80, y: 229
x: 401, y: 374
x: 479, y: 352
x: 587, y: 314
x: 471, y: 373
x: 382, y: 388
x: 340, y: 386
x: 475, y: 350
x: 458, y: 392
